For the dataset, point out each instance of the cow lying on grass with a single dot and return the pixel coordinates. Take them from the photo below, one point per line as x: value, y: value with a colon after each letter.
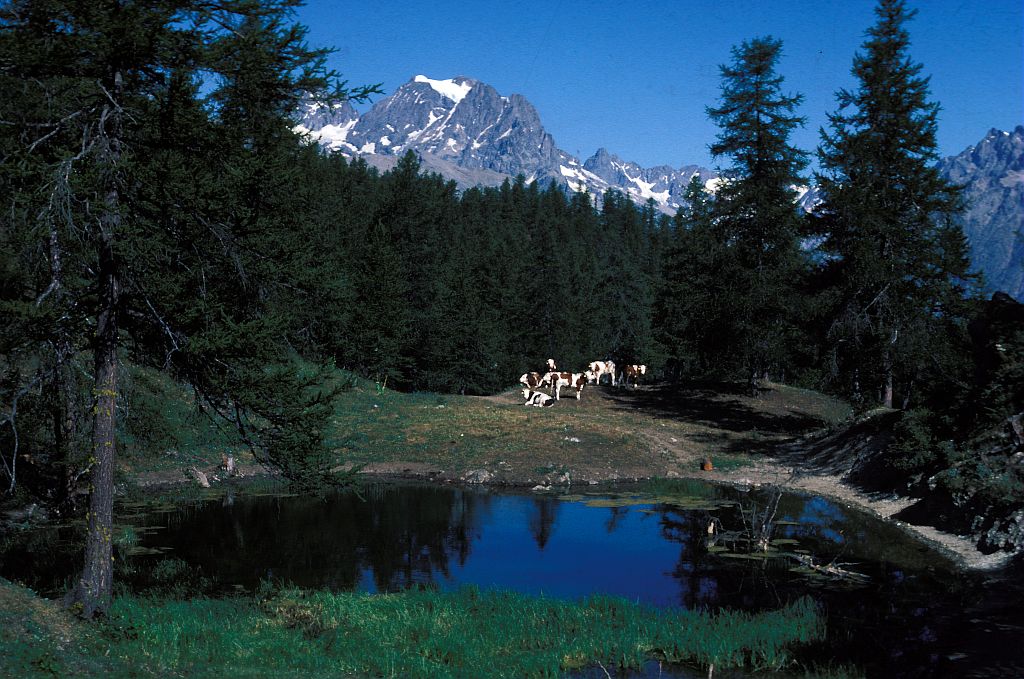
x: 537, y: 398
x: 575, y: 380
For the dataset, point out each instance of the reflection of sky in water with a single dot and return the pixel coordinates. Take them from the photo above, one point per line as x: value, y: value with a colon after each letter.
x: 819, y: 518
x: 586, y: 551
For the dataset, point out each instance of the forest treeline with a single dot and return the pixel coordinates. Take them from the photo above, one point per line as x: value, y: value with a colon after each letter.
x: 159, y: 211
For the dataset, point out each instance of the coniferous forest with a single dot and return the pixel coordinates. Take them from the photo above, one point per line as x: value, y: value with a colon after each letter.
x: 159, y: 211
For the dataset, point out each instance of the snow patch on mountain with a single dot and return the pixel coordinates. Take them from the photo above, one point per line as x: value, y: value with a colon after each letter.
x: 456, y: 91
x: 712, y: 185
x: 330, y: 136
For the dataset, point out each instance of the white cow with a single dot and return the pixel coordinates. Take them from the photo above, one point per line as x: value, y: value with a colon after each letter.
x: 599, y: 368
x: 574, y: 380
x: 551, y: 365
x: 538, y: 399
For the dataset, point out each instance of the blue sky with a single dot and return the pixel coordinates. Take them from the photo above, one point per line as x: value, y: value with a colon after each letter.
x: 635, y: 77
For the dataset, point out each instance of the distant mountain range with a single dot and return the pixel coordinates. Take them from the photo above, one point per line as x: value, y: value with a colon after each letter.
x: 464, y: 130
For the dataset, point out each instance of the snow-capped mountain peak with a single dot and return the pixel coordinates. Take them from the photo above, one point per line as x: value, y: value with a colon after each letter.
x: 992, y: 174
x: 464, y: 129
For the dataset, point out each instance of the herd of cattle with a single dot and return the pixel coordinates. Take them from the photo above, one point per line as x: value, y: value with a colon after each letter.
x: 553, y: 379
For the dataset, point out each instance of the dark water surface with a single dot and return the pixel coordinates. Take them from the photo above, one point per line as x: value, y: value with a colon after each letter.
x: 904, y: 612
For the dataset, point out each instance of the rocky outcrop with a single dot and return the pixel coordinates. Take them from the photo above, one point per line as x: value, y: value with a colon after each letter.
x: 992, y: 174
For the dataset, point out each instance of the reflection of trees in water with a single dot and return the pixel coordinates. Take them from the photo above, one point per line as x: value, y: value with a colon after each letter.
x: 615, y: 515
x: 42, y: 558
x: 541, y: 519
x: 891, y: 627
x: 697, y: 586
x: 708, y: 580
x: 414, y: 535
x: 400, y: 535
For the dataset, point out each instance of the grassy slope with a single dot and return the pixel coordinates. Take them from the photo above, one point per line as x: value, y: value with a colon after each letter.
x: 609, y: 433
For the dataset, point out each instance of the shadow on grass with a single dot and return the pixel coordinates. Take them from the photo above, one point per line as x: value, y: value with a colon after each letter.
x: 855, y: 452
x: 721, y: 405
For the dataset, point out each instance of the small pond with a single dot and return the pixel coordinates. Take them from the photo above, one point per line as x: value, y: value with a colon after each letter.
x: 899, y: 609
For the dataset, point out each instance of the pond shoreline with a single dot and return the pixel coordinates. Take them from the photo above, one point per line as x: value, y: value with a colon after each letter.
x: 612, y: 436
x: 958, y: 549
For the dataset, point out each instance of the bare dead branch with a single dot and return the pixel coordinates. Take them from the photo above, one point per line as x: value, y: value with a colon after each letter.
x: 11, y: 418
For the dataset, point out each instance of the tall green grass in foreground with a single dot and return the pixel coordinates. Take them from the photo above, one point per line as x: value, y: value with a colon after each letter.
x: 429, y: 634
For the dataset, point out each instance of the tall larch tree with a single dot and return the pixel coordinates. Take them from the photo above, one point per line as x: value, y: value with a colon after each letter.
x: 135, y: 240
x: 898, y: 257
x: 756, y: 212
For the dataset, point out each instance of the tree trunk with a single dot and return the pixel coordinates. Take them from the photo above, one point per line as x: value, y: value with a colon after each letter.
x: 888, y: 365
x: 65, y: 419
x: 94, y: 588
x: 887, y: 396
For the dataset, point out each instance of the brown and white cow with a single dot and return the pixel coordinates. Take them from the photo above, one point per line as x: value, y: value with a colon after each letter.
x: 575, y: 380
x: 633, y: 372
x: 599, y: 368
x: 537, y: 398
x: 531, y: 380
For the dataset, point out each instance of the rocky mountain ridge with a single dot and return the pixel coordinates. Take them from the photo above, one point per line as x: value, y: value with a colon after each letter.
x: 992, y: 174
x: 464, y: 123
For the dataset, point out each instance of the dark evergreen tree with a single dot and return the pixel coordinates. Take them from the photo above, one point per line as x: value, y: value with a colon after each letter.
x: 585, y: 229
x: 512, y: 259
x: 151, y: 211
x: 341, y: 199
x: 625, y: 292
x: 684, y: 306
x: 898, y: 256
x: 382, y: 331
x: 756, y: 213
